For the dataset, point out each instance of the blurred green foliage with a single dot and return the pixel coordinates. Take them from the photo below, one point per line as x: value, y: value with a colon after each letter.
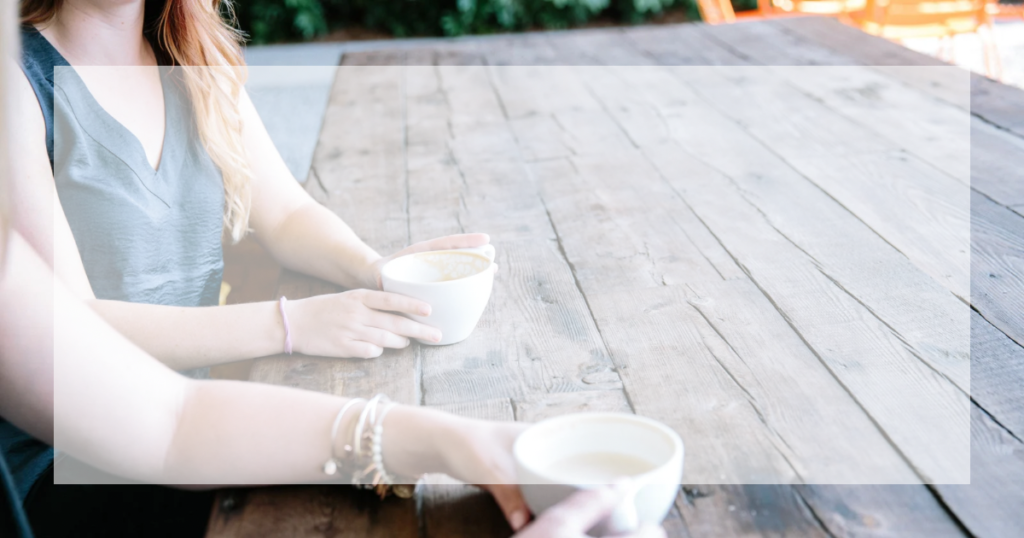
x: 267, y: 21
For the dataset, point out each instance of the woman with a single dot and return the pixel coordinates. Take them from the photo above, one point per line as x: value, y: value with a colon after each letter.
x: 150, y: 165
x: 67, y: 377
x: 150, y: 424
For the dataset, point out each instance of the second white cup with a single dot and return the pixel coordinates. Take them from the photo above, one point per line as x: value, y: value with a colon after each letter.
x: 560, y: 455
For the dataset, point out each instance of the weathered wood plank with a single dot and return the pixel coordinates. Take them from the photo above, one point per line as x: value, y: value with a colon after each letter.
x: 937, y: 132
x: 995, y: 163
x: 681, y: 44
x: 747, y: 511
x: 545, y: 406
x: 912, y: 205
x: 657, y: 342
x: 997, y: 265
x: 924, y: 314
x: 918, y: 408
x: 997, y: 375
x: 607, y: 46
x: 311, y: 512
x: 990, y: 505
x: 920, y: 211
x: 894, y: 511
x: 829, y: 437
x: 615, y: 237
x: 536, y: 336
x: 998, y: 103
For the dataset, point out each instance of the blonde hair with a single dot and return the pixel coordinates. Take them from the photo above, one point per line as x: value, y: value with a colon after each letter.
x: 199, y: 37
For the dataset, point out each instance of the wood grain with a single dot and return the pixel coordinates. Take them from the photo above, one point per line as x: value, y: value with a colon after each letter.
x: 830, y: 439
x: 997, y: 375
x: 870, y: 360
x: 990, y: 505
x: 626, y: 241
x: 998, y: 103
x: 747, y: 511
x: 681, y: 44
x: 311, y: 512
x: 894, y: 511
x: 536, y: 336
x: 937, y: 132
x: 864, y: 266
x: 997, y: 265
x: 657, y: 343
x: 995, y: 163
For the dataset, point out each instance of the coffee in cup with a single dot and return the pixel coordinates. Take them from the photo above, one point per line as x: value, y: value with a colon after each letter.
x: 561, y: 455
x: 455, y: 283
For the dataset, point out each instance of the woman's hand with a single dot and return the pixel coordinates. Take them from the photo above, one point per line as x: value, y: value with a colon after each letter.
x: 480, y: 452
x: 420, y: 440
x: 356, y: 323
x: 574, y: 516
x: 372, y: 278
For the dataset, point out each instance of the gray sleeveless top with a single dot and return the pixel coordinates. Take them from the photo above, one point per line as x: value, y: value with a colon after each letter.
x: 145, y: 236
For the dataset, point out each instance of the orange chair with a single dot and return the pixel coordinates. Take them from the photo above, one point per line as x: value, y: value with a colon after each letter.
x: 810, y: 7
x: 905, y: 19
x: 719, y: 11
x: 716, y: 11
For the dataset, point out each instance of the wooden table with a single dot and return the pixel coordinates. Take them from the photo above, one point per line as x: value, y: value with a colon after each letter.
x: 744, y: 281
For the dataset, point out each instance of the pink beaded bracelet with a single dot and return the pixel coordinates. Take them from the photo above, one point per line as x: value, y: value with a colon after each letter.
x: 287, y: 327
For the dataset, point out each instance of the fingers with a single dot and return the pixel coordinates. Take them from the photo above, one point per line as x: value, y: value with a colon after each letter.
x: 584, y: 509
x: 363, y: 350
x: 448, y: 243
x: 512, y: 504
x: 393, y: 302
x: 403, y: 326
x: 382, y: 338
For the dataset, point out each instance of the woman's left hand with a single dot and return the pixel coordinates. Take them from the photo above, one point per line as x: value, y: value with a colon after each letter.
x: 450, y: 242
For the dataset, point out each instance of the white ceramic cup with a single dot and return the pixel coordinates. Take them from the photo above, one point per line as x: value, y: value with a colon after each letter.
x: 561, y: 455
x: 455, y: 283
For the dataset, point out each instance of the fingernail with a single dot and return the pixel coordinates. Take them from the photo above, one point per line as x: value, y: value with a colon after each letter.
x: 425, y: 311
x: 437, y: 337
x: 518, y: 519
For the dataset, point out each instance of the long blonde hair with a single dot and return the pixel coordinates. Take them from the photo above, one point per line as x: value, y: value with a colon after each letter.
x: 198, y: 36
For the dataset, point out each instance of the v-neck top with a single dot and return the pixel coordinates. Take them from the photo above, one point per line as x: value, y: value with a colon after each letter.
x: 144, y: 235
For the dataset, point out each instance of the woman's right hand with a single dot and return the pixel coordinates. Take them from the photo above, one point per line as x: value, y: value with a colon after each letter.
x: 357, y: 323
x: 577, y: 514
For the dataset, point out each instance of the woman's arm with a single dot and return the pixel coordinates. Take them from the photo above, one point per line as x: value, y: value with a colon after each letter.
x: 305, y: 236
x: 66, y: 376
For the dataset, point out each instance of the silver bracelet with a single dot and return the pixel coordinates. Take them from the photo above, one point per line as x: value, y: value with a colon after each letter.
x: 331, y: 465
x: 373, y: 437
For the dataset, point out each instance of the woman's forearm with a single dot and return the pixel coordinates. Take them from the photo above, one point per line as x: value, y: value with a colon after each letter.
x: 185, y: 338
x: 314, y: 241
x: 269, y: 435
